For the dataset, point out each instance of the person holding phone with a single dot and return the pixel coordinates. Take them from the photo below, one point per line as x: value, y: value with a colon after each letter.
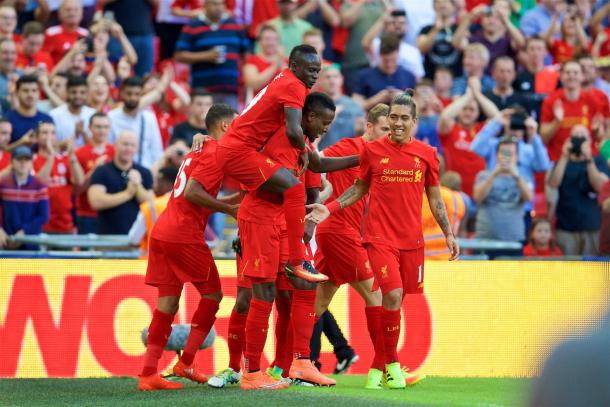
x: 578, y: 175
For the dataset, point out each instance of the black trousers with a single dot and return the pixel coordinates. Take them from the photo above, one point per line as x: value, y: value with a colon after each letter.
x: 329, y: 326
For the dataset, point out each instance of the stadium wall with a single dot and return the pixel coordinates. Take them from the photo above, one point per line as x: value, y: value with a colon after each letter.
x: 83, y: 318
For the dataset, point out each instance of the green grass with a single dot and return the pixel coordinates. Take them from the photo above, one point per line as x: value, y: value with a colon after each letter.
x: 121, y: 391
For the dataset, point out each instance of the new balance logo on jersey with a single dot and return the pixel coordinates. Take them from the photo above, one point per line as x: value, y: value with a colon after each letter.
x: 270, y: 162
x: 417, y: 162
x: 385, y: 160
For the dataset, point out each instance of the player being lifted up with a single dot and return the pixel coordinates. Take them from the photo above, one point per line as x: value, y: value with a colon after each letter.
x: 239, y: 153
x: 395, y: 170
x: 179, y: 254
x: 262, y: 230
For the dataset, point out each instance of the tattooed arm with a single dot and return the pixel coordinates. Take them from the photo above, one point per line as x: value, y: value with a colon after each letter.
x: 437, y: 207
x: 351, y: 195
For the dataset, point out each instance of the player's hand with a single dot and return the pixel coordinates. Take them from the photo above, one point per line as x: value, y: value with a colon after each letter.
x: 310, y: 227
x: 304, y: 161
x: 233, y: 210
x: 198, y: 141
x: 318, y: 213
x: 453, y: 247
x: 3, y: 238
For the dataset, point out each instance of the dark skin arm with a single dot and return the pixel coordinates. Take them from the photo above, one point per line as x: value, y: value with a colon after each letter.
x: 327, y: 164
x: 196, y: 194
x: 294, y: 132
x: 313, y: 196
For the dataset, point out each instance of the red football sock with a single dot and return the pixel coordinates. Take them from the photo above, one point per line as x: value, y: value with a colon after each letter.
x: 286, y: 356
x: 158, y: 334
x: 202, y: 322
x: 282, y: 305
x: 294, y: 211
x: 256, y: 332
x: 373, y: 323
x: 390, y: 322
x: 303, y: 319
x: 236, y: 339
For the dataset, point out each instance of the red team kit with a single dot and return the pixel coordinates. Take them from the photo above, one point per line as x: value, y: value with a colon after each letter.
x: 386, y: 245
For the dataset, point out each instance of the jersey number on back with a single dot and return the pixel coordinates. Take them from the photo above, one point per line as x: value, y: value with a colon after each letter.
x: 254, y: 101
x: 180, y: 184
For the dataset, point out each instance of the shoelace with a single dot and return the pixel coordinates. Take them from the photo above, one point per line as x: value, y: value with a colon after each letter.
x: 309, y: 268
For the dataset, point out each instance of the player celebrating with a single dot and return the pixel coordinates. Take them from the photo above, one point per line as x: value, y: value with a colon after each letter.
x: 396, y: 170
x: 340, y: 253
x: 179, y: 254
x: 277, y: 105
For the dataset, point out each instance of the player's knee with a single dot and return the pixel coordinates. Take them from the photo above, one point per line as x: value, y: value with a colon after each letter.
x: 301, y: 284
x: 168, y: 305
x: 373, y: 299
x: 393, y: 299
x: 242, y: 303
x: 264, y: 292
x: 216, y: 296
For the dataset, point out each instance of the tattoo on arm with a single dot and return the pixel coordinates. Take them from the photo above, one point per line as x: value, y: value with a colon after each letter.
x: 440, y: 214
x: 353, y: 194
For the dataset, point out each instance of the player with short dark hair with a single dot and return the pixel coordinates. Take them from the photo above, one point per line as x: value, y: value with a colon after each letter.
x: 277, y: 105
x: 179, y: 254
x: 395, y: 171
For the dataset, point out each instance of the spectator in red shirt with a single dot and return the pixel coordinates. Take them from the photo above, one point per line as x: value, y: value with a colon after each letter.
x: 5, y: 138
x: 61, y: 172
x: 566, y: 108
x: 8, y: 23
x: 457, y: 126
x: 261, y: 68
x: 443, y: 82
x: 541, y: 243
x: 187, y: 8
x: 98, y: 152
x: 31, y: 53
x: 590, y: 77
x: 573, y: 38
x: 60, y: 38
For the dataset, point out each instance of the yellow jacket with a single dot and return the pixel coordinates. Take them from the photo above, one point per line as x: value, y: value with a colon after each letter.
x: 435, y: 247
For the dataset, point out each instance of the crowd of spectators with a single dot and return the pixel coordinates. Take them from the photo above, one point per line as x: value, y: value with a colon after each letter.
x: 100, y: 100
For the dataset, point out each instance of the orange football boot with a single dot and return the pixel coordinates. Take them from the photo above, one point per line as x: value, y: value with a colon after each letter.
x: 189, y: 372
x: 304, y: 370
x: 260, y: 381
x: 156, y: 382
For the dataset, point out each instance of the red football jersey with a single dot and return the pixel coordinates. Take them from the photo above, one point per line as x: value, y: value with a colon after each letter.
x: 459, y: 158
x: 41, y: 57
x: 60, y: 193
x: 530, y: 251
x: 580, y: 111
x: 349, y: 220
x: 264, y: 116
x: 266, y: 208
x: 5, y: 159
x: 397, y: 175
x: 87, y: 156
x: 183, y: 221
x: 58, y: 41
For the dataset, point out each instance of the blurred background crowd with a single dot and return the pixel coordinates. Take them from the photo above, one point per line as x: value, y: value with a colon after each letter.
x: 100, y: 100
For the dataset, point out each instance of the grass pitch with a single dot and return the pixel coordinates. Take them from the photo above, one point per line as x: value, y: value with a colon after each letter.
x: 121, y: 391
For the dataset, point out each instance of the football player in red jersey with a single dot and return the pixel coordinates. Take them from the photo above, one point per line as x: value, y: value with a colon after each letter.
x: 179, y: 254
x: 277, y: 105
x: 262, y: 230
x: 395, y: 171
x: 341, y: 255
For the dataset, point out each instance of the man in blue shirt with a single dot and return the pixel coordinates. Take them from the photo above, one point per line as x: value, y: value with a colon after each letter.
x: 213, y: 44
x: 532, y: 155
x: 24, y: 200
x: 475, y: 61
x: 25, y: 116
x: 388, y: 79
x: 538, y: 20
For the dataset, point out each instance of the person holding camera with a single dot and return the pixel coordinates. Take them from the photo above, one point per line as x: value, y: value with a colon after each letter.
x: 501, y: 194
x: 579, y: 176
x: 532, y: 154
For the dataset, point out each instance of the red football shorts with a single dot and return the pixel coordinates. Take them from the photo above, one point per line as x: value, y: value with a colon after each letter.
x: 173, y: 264
x: 249, y: 167
x: 265, y: 253
x: 395, y: 268
x: 342, y: 258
